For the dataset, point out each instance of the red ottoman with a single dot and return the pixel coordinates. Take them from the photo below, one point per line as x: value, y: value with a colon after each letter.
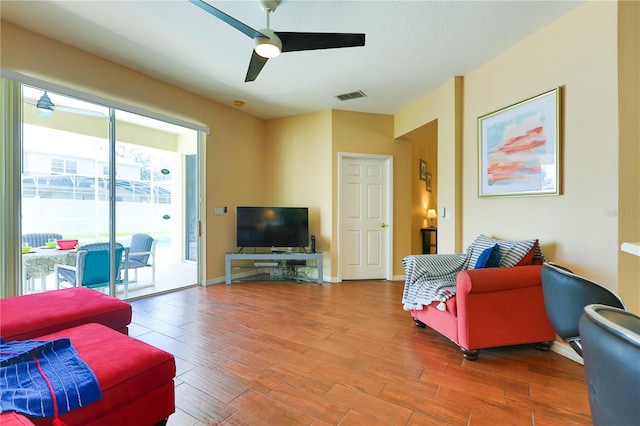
x: 25, y: 317
x: 136, y: 379
x: 13, y: 419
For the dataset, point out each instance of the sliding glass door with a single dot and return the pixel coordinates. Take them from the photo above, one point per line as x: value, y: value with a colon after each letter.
x: 65, y: 193
x: 151, y: 200
x: 121, y: 186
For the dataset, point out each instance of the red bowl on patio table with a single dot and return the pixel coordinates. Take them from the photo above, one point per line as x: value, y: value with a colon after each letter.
x: 67, y: 244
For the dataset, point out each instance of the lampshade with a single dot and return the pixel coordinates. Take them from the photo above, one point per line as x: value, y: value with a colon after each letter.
x: 268, y: 47
x: 431, y: 214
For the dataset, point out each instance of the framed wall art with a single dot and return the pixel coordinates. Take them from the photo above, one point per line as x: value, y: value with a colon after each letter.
x: 429, y: 182
x: 423, y: 170
x: 519, y: 148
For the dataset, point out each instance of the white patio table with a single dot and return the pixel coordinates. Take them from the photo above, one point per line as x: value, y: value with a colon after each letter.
x: 41, y: 261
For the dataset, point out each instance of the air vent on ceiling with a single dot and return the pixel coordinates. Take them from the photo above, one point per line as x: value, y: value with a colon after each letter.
x: 352, y: 95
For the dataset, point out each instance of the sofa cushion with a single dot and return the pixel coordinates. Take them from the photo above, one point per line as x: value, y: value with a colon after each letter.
x: 489, y: 258
x: 511, y: 252
x: 127, y: 370
x: 25, y: 317
x: 530, y: 256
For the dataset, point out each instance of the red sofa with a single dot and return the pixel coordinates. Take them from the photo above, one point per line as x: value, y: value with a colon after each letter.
x: 136, y: 379
x: 494, y: 305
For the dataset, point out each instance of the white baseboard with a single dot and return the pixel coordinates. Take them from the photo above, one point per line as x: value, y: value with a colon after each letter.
x: 249, y: 274
x: 212, y: 281
x: 566, y: 351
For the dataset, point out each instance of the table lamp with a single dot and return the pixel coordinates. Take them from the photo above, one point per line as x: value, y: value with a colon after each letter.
x: 431, y: 214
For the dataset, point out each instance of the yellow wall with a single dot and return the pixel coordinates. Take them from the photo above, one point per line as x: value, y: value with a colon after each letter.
x: 424, y: 146
x: 298, y: 155
x: 303, y: 151
x: 373, y: 134
x: 234, y: 149
x: 629, y: 156
x: 578, y: 53
x: 443, y: 105
x: 592, y: 53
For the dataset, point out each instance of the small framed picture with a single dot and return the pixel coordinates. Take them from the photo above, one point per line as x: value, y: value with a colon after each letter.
x: 429, y: 182
x: 423, y: 170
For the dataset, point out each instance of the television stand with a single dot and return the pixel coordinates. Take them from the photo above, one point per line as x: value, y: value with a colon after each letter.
x: 270, y: 260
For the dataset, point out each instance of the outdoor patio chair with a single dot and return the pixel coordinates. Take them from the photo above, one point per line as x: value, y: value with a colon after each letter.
x: 92, y: 267
x: 40, y: 239
x: 142, y: 253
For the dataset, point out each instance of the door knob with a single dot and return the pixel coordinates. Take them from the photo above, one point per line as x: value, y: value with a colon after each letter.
x: 384, y: 225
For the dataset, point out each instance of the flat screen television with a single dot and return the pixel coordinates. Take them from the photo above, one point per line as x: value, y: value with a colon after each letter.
x: 272, y: 226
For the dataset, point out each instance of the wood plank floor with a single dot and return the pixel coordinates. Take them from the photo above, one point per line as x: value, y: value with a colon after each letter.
x: 342, y: 354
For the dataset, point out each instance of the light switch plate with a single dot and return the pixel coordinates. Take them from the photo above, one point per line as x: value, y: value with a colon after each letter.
x: 218, y: 211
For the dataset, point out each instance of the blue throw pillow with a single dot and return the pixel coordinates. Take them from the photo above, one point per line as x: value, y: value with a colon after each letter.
x: 490, y: 258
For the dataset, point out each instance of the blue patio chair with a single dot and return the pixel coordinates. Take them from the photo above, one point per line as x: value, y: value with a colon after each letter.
x: 92, y: 267
x: 142, y: 253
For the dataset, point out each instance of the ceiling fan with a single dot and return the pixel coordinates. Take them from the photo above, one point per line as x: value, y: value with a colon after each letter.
x: 46, y: 107
x: 269, y: 43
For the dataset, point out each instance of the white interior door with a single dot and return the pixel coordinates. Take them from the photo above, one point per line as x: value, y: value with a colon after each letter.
x: 365, y: 217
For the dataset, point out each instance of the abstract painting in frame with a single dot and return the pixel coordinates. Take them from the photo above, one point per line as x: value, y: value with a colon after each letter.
x: 519, y: 148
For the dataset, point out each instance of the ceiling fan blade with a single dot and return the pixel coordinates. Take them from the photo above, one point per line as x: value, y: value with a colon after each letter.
x: 44, y: 114
x: 292, y: 42
x: 255, y: 66
x: 228, y: 19
x: 80, y: 111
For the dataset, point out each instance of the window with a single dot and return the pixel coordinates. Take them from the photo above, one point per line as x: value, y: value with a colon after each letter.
x: 71, y: 167
x: 59, y: 166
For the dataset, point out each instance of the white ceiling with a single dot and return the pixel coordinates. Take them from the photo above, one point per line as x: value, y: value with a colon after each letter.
x: 411, y: 46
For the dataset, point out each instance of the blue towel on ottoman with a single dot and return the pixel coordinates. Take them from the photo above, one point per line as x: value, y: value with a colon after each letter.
x: 44, y: 378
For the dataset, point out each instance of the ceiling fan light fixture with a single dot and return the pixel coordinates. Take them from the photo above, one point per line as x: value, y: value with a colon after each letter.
x: 44, y: 103
x: 268, y: 47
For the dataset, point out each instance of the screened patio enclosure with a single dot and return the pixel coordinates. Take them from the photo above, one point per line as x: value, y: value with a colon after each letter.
x: 70, y: 157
